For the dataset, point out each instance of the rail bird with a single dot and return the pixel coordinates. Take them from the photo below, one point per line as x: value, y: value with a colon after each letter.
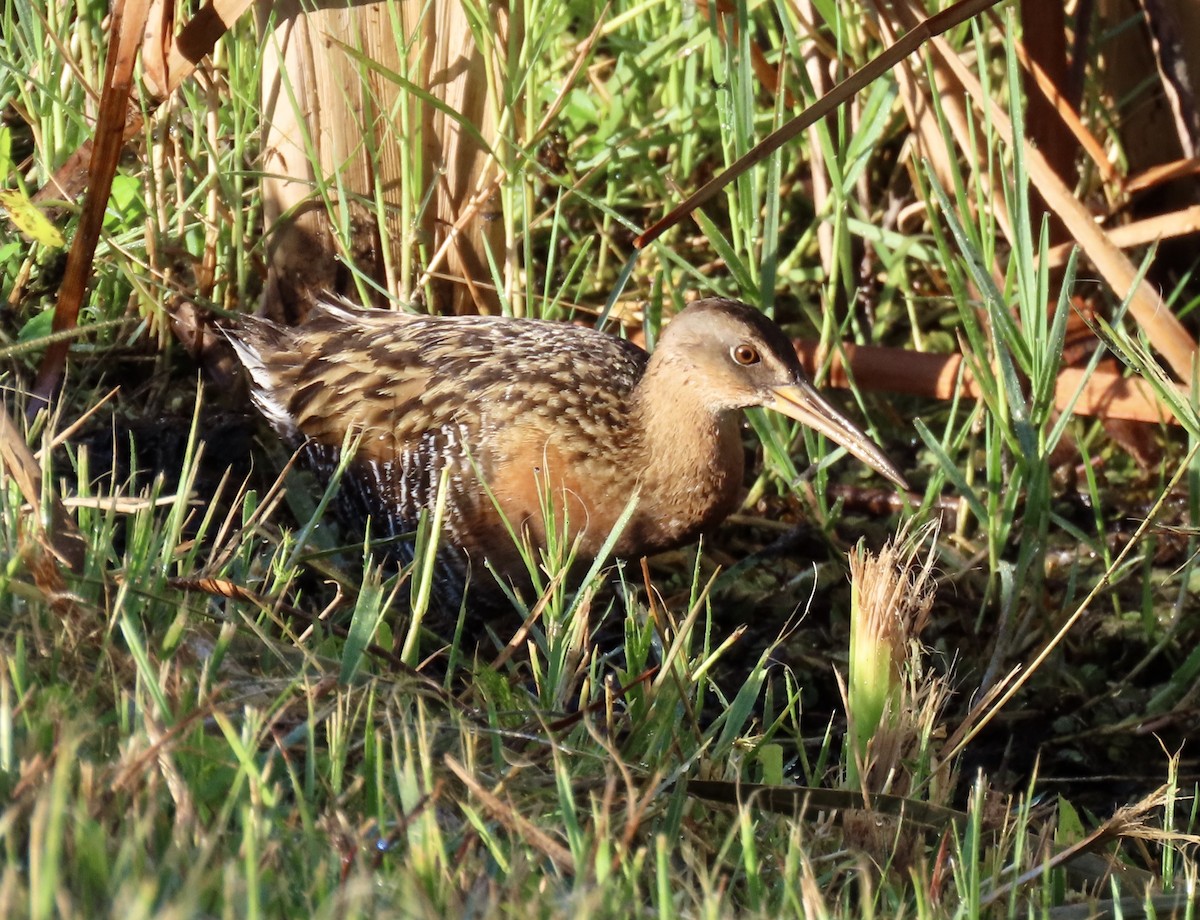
x: 522, y: 415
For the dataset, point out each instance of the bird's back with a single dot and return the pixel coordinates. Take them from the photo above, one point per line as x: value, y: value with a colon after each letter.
x: 484, y: 398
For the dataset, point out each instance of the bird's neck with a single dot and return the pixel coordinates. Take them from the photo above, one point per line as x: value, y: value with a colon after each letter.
x: 692, y: 453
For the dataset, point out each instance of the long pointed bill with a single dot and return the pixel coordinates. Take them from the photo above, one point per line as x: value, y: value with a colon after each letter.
x: 803, y: 403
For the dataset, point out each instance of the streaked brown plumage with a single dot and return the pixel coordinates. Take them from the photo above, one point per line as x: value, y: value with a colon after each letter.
x: 530, y: 409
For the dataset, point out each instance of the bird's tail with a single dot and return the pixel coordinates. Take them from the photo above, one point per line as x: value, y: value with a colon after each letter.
x: 257, y: 343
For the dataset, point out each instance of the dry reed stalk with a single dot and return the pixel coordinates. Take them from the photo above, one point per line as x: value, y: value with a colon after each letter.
x: 927, y: 133
x: 336, y: 117
x: 126, y: 25
x: 1166, y: 333
x: 816, y: 65
x: 1161, y: 173
x: 1183, y: 222
x: 1088, y: 141
x: 1106, y: 394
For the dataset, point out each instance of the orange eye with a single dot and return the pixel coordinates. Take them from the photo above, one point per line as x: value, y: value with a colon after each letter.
x: 745, y: 355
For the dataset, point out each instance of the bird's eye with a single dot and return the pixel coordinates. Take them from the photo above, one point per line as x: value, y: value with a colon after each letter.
x: 745, y: 354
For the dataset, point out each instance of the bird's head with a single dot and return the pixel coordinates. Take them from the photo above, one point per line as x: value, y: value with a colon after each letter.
x: 736, y: 358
